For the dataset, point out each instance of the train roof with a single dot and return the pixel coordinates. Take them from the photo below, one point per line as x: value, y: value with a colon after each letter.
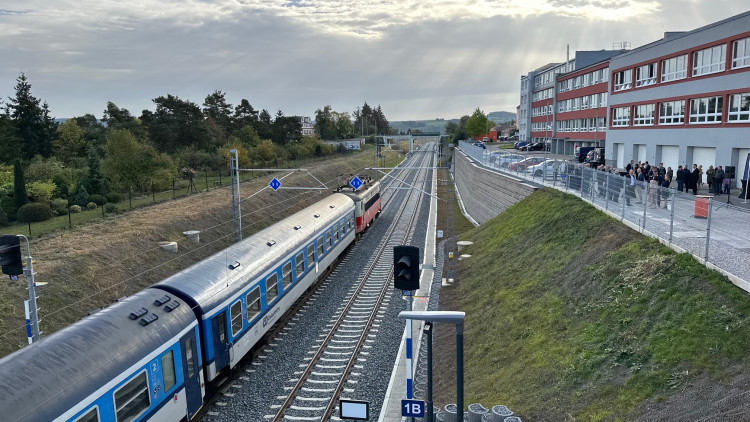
x: 210, y: 282
x: 51, y: 376
x: 363, y: 192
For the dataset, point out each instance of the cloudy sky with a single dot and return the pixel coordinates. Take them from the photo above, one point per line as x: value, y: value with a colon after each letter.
x: 418, y: 59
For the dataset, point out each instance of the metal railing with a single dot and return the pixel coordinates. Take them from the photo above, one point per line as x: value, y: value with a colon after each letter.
x: 712, y: 230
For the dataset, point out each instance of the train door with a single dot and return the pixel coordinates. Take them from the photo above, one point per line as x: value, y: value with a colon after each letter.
x: 221, y: 347
x: 191, y: 374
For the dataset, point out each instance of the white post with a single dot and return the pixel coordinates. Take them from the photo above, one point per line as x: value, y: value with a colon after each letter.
x: 32, y: 316
x: 28, y: 321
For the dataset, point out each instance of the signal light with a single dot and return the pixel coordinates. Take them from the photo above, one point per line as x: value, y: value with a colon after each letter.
x: 10, y: 255
x: 406, y: 267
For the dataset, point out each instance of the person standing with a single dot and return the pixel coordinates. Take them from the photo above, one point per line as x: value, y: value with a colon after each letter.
x: 630, y: 188
x: 640, y: 190
x: 694, y: 178
x: 653, y: 190
x: 665, y: 191
x: 710, y: 177
x: 680, y: 178
x: 700, y: 175
x: 670, y: 174
x: 718, y: 180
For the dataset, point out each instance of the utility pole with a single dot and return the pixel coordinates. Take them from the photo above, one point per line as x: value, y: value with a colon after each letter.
x: 234, y: 170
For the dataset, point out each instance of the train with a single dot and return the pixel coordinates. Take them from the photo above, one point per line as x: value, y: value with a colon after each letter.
x: 153, y: 355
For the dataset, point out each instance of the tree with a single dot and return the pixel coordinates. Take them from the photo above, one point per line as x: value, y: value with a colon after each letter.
x: 69, y: 146
x: 478, y: 124
x: 10, y: 142
x: 93, y: 131
x: 265, y: 151
x: 31, y: 120
x: 129, y: 163
x: 286, y: 129
x: 175, y: 124
x: 325, y: 123
x: 94, y: 181
x: 245, y: 115
x: 215, y: 107
x: 344, y: 127
x: 19, y: 186
x: 120, y: 119
x: 247, y: 136
x: 263, y: 125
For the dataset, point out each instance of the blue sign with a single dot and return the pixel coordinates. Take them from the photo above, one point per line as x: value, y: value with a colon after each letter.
x: 407, y: 292
x: 275, y: 184
x: 356, y: 183
x: 412, y: 408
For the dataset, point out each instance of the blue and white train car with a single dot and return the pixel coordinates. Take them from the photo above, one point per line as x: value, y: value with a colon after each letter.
x: 240, y: 292
x: 139, y: 359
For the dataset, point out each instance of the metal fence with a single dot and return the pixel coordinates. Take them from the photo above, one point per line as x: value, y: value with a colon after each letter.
x: 711, y: 229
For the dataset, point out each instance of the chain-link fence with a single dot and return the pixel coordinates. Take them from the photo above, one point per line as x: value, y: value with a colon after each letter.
x: 714, y: 231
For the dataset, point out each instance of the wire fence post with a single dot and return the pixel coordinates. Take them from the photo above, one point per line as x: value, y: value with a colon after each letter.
x: 606, y: 193
x: 173, y: 188
x: 591, y: 190
x: 206, y: 179
x: 671, y: 218
x: 130, y: 198
x: 645, y: 205
x: 70, y: 219
x: 708, y: 227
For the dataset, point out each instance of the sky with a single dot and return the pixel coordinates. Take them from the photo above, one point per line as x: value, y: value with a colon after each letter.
x: 417, y: 59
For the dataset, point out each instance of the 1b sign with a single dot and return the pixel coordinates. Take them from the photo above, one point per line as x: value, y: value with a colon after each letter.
x: 412, y: 408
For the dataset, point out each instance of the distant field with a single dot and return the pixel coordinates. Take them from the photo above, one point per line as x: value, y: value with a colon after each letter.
x: 570, y: 315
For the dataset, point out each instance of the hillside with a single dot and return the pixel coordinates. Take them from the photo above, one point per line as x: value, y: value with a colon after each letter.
x: 438, y: 125
x: 572, y: 316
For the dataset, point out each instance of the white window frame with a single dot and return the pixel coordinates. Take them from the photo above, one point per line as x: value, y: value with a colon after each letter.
x: 675, y: 115
x: 643, y: 115
x: 674, y: 68
x: 645, y: 75
x: 272, y: 283
x: 164, y: 377
x: 603, y: 99
x: 251, y: 298
x: 299, y: 263
x: 286, y: 275
x: 126, y: 384
x: 621, y: 116
x: 709, y: 60
x: 605, y: 74
x: 741, y: 53
x: 235, y: 319
x: 624, y: 80
x: 739, y: 114
x: 95, y: 409
x: 711, y: 115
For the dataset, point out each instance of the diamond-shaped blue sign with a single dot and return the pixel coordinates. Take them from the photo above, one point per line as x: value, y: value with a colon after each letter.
x: 356, y: 183
x: 275, y: 184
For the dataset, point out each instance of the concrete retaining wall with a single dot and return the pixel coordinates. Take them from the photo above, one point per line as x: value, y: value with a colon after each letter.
x: 486, y: 193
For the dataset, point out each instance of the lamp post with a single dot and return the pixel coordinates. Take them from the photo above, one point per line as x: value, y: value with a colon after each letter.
x: 447, y: 317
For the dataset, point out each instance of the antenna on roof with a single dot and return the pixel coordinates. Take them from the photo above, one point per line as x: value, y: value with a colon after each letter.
x: 622, y: 45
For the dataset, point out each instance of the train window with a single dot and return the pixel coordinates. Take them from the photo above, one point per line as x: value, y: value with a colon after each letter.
x: 343, y: 228
x: 272, y: 288
x: 286, y: 275
x: 253, y: 304
x: 299, y: 262
x: 329, y: 241
x: 336, y: 234
x: 90, y: 416
x: 167, y: 371
x: 235, y: 313
x: 310, y: 255
x: 189, y: 357
x: 132, y: 399
x: 320, y: 247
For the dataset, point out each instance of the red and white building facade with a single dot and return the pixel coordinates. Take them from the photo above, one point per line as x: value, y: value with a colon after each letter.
x: 684, y: 99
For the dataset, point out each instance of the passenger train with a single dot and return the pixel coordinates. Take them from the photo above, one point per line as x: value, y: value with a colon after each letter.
x: 150, y: 356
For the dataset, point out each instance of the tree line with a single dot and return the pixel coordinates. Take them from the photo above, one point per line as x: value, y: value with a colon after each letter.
x: 48, y: 163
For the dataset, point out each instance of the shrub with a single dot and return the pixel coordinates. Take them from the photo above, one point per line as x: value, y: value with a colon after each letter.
x: 34, y: 212
x: 113, y: 197
x: 41, y: 191
x: 91, y: 205
x: 9, y: 207
x: 109, y: 208
x: 98, y: 199
x: 60, y: 206
x: 3, y: 219
x: 81, y: 197
x: 75, y: 209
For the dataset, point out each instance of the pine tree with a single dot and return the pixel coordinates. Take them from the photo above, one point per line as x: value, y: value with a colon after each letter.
x: 19, y: 186
x: 95, y: 183
x: 32, y: 121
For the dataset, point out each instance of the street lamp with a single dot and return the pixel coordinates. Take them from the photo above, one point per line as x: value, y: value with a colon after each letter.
x: 447, y: 317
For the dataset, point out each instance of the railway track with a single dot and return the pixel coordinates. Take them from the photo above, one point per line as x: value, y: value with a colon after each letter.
x: 331, y: 364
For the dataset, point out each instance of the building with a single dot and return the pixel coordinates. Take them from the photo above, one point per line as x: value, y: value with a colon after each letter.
x: 684, y: 99
x: 308, y: 129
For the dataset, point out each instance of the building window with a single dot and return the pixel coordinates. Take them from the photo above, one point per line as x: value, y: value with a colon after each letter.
x: 643, y: 115
x: 645, y: 75
x: 603, y: 99
x: 621, y: 116
x: 741, y: 53
x: 253, y: 303
x: 674, y: 68
x: 584, y: 102
x: 595, y: 77
x: 672, y: 113
x: 706, y: 110
x: 710, y: 60
x: 594, y: 101
x: 605, y: 74
x: 739, y: 107
x: 623, y: 80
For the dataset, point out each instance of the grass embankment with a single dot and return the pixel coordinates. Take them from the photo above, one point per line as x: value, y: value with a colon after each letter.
x: 92, y: 264
x: 572, y: 316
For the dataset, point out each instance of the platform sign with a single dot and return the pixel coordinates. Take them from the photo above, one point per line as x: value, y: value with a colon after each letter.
x: 440, y: 234
x: 412, y: 408
x: 356, y: 183
x: 407, y: 292
x: 275, y: 184
x: 354, y: 409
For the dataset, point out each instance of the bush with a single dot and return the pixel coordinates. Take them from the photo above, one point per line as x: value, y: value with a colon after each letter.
x: 98, y: 199
x: 41, y: 191
x: 110, y: 208
x: 113, y: 197
x: 60, y: 206
x: 34, y: 212
x: 81, y: 197
x: 3, y: 219
x: 9, y: 207
x: 91, y: 205
x: 75, y: 209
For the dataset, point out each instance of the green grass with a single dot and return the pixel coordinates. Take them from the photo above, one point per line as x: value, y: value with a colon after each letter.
x: 588, y: 317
